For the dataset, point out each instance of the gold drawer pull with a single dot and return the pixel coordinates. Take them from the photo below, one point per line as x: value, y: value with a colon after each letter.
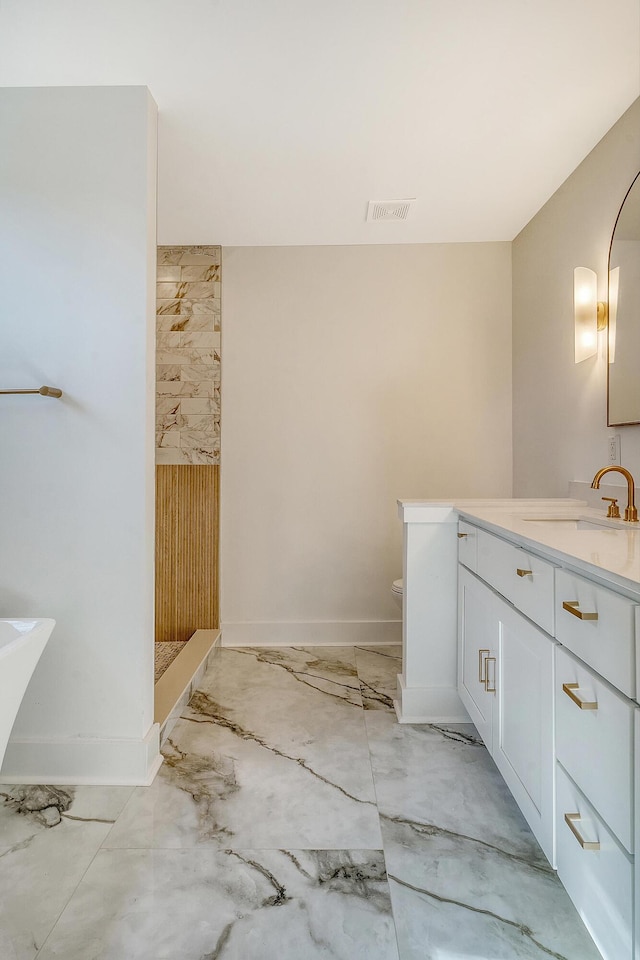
x: 486, y: 680
x: 461, y: 536
x: 583, y: 704
x: 572, y: 606
x: 524, y: 573
x: 571, y: 819
x: 481, y: 665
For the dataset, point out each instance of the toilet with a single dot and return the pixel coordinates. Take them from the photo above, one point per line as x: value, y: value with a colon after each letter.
x: 396, y: 592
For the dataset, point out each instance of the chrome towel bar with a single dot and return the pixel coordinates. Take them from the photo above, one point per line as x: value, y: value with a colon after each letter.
x: 43, y: 391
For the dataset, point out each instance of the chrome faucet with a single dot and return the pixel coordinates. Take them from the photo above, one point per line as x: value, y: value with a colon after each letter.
x: 630, y: 511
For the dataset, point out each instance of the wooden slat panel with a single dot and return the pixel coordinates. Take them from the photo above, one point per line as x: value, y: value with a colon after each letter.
x: 166, y: 531
x: 186, y: 550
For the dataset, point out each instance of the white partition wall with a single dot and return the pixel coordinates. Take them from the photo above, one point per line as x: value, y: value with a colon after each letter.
x: 77, y: 262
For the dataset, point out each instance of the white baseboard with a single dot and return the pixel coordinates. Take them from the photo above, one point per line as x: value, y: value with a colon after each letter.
x: 311, y: 633
x: 101, y: 762
x: 429, y: 705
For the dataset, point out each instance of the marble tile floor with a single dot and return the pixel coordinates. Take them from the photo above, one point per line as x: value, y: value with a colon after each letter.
x: 295, y: 819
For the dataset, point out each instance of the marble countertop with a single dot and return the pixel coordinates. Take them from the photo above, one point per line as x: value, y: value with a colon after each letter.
x: 612, y: 553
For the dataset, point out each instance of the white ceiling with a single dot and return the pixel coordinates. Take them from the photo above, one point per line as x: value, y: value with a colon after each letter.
x: 280, y: 119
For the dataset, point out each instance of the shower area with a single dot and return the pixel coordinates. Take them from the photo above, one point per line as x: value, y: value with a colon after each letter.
x: 188, y: 332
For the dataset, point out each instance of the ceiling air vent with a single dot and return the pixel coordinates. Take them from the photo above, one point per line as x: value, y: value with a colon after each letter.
x: 389, y: 209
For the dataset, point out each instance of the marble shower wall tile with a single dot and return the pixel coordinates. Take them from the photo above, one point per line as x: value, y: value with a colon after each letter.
x: 189, y: 255
x: 188, y: 355
x: 191, y: 388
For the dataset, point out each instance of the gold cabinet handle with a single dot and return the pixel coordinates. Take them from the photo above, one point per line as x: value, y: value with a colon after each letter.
x: 481, y: 665
x: 524, y: 573
x: 486, y: 681
x: 573, y: 606
x: 583, y: 704
x: 461, y: 536
x: 571, y: 819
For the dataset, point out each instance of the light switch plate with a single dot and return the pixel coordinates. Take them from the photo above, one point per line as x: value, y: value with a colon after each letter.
x: 614, y: 449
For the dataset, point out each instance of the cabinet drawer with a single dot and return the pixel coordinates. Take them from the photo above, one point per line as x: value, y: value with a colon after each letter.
x: 599, y: 881
x: 595, y: 743
x: 598, y: 626
x: 468, y: 545
x: 524, y: 579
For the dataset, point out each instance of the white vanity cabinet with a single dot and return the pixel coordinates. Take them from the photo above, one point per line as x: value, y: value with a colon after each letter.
x: 506, y: 684
x: 547, y: 670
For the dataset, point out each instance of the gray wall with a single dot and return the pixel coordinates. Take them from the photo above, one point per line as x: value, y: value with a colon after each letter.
x: 559, y: 407
x: 353, y: 376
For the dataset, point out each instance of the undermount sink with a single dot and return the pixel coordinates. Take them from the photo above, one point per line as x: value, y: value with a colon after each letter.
x: 560, y: 523
x: 582, y: 523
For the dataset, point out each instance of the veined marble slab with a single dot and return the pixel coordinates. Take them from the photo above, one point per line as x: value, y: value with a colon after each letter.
x: 48, y: 838
x: 271, y: 752
x: 229, y: 905
x: 443, y: 775
x: 464, y: 868
x: 453, y: 897
x: 378, y: 668
x: 261, y: 837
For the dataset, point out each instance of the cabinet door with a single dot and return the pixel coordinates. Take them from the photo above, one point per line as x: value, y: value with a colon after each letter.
x: 523, y: 738
x: 637, y: 824
x: 477, y: 643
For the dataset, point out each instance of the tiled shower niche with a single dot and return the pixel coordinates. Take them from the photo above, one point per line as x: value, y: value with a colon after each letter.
x: 188, y: 355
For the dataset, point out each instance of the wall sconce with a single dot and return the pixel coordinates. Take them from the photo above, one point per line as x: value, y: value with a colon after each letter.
x: 590, y: 313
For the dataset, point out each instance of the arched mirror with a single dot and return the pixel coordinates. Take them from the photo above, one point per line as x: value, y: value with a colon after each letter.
x: 623, y: 396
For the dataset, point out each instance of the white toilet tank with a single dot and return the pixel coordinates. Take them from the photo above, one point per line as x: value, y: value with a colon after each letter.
x: 396, y: 592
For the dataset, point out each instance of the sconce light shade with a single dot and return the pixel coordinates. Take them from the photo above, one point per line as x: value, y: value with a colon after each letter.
x: 614, y: 283
x: 585, y: 309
